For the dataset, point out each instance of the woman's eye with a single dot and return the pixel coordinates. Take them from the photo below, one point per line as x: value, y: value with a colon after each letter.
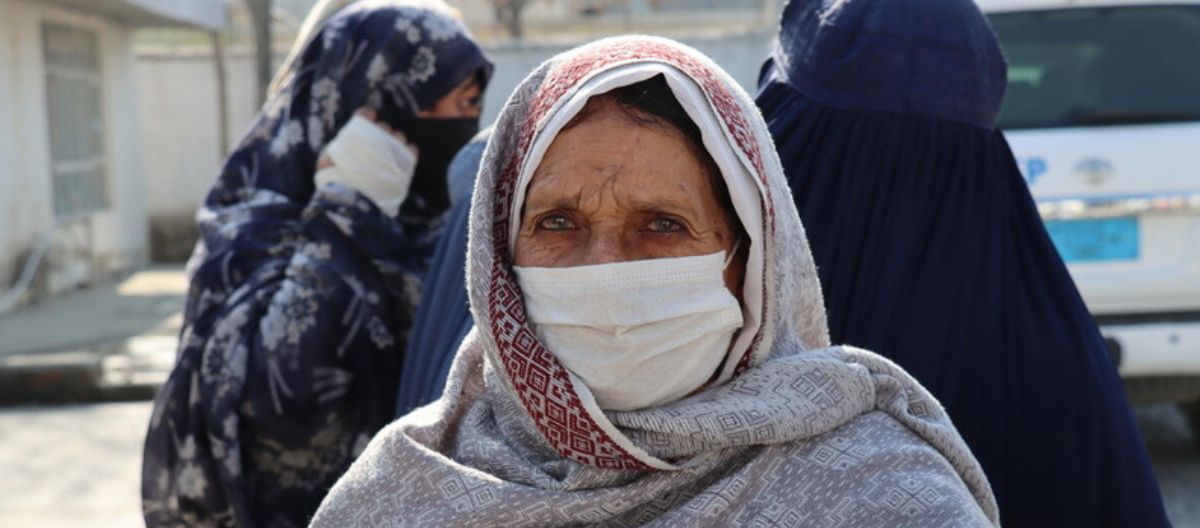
x: 665, y: 225
x: 556, y: 223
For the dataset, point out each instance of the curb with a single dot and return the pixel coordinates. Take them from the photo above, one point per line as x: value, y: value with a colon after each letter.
x: 123, y: 369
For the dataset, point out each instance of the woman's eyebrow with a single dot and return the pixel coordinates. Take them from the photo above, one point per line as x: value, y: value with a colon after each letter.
x: 533, y: 204
x: 671, y: 205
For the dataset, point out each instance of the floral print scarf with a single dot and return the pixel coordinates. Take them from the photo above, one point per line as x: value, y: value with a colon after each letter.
x: 301, y: 297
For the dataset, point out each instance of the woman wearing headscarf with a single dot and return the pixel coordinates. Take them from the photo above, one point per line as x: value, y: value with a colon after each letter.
x: 650, y: 344
x: 931, y: 252
x: 314, y: 240
x: 443, y: 317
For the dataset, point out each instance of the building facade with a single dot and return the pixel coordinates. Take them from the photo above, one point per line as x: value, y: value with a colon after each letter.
x: 73, y: 192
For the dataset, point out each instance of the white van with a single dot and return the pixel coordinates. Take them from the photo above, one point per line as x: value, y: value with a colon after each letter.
x: 1103, y: 114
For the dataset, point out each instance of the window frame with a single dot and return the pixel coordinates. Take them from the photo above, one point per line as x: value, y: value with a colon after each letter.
x: 66, y: 204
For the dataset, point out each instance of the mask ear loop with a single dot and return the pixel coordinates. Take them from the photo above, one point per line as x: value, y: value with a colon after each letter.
x: 737, y: 244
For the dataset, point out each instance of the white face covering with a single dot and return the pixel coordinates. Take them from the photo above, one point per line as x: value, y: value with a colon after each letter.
x: 639, y: 333
x: 372, y: 161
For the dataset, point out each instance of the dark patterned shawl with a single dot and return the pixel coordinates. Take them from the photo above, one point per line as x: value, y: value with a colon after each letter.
x: 301, y: 298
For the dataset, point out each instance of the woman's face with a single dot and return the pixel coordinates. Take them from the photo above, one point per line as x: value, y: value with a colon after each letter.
x: 611, y: 190
x: 463, y: 101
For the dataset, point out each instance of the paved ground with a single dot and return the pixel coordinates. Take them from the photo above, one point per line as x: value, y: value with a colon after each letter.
x: 78, y: 465
x: 71, y: 466
x: 118, y: 336
x: 1176, y: 460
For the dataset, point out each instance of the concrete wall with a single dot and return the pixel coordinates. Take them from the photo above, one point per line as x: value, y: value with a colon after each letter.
x: 179, y: 116
x: 204, y: 13
x: 87, y: 247
x: 179, y: 120
x: 568, y: 13
x: 739, y: 54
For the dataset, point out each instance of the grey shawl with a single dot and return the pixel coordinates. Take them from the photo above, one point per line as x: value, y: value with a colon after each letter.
x: 804, y: 434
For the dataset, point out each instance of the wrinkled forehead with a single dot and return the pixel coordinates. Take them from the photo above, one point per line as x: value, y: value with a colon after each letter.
x: 745, y: 190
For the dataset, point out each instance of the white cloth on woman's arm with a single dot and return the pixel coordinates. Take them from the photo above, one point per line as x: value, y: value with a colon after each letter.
x: 369, y: 159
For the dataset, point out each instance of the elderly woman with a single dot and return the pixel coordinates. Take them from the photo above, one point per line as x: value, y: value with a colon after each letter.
x: 650, y: 344
x: 314, y: 241
x: 931, y: 252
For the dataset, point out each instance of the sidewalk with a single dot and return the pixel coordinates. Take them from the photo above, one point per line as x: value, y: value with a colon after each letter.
x: 111, y: 340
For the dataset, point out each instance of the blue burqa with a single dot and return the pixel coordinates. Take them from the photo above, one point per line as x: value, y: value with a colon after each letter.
x: 444, y: 316
x: 301, y: 297
x: 931, y: 252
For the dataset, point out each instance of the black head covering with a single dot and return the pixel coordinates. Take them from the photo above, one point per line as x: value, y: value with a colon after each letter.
x: 926, y: 57
x: 930, y: 250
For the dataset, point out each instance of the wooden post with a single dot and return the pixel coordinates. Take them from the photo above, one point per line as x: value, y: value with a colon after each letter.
x: 222, y: 95
x: 771, y: 12
x: 260, y: 15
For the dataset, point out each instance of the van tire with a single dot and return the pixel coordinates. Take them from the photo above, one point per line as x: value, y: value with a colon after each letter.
x: 1192, y: 412
x: 1163, y: 389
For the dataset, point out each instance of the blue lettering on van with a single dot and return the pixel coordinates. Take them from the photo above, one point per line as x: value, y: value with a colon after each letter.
x: 1032, y: 168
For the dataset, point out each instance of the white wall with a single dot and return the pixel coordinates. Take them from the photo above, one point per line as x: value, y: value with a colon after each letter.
x: 179, y: 108
x: 25, y: 207
x: 205, y: 13
x: 93, y: 245
x: 179, y: 120
x: 739, y: 54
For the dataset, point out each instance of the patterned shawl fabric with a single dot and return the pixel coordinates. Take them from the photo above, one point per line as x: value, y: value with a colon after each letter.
x: 301, y: 297
x: 803, y: 434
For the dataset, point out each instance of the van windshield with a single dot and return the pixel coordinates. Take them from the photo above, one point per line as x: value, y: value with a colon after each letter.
x: 1102, y: 66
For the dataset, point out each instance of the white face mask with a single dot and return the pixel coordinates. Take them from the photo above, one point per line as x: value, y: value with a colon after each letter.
x: 370, y: 160
x: 639, y: 333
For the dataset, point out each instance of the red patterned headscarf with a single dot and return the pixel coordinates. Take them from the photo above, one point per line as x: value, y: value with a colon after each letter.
x: 567, y: 417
